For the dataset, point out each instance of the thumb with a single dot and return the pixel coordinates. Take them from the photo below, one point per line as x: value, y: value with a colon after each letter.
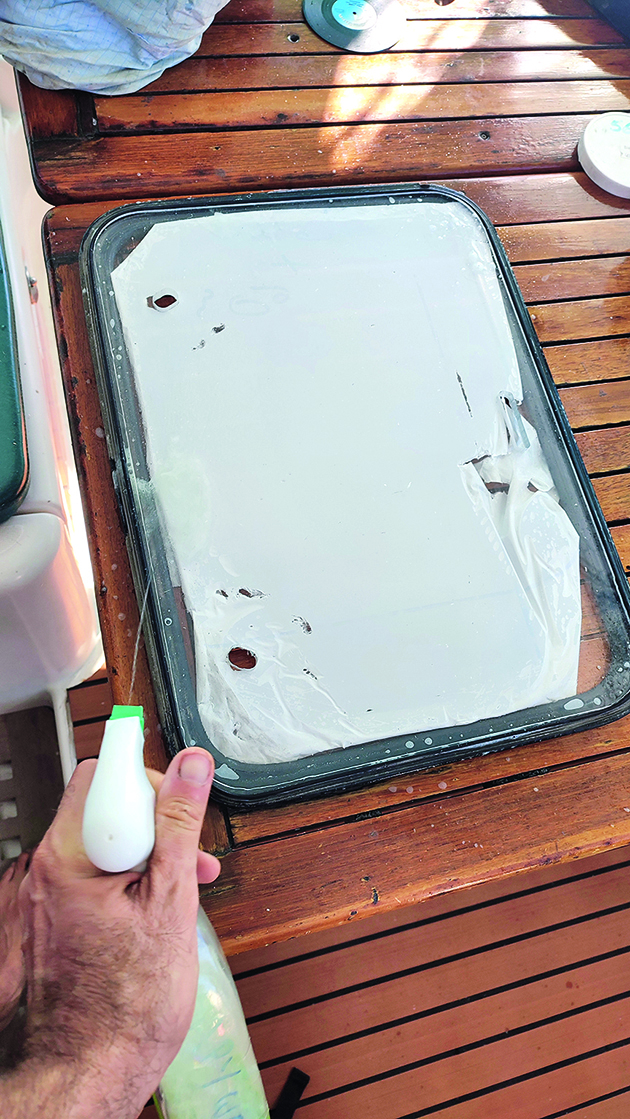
x: 179, y: 812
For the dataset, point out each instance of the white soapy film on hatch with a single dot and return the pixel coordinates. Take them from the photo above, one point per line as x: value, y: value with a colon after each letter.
x: 328, y: 403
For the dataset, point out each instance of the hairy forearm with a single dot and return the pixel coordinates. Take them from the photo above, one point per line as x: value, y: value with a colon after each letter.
x: 41, y: 1089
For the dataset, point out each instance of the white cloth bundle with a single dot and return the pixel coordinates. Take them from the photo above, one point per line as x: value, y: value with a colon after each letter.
x: 103, y: 46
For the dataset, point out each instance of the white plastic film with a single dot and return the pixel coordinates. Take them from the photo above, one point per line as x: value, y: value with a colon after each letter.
x: 324, y: 394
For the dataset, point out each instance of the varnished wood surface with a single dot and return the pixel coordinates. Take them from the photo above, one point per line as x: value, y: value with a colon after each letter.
x: 489, y: 97
x: 115, y: 167
x: 497, y: 87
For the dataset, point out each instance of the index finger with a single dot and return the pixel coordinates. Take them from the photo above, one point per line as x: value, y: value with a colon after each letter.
x: 64, y: 837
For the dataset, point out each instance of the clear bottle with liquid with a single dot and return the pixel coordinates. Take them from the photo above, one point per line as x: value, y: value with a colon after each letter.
x: 214, y: 1075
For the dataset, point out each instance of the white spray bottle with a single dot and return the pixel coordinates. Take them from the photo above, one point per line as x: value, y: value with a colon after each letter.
x: 214, y: 1075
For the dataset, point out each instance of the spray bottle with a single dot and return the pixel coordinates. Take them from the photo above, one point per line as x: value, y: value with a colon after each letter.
x: 214, y: 1075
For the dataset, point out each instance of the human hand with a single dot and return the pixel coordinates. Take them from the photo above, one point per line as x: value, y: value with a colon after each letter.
x: 111, y: 960
x: 11, y: 959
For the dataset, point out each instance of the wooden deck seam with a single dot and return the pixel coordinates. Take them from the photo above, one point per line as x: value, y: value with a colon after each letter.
x: 459, y: 1050
x: 481, y: 1093
x: 611, y: 426
x: 589, y: 1103
x: 103, y: 718
x: 433, y: 965
x: 596, y: 475
x: 325, y: 52
x: 586, y: 15
x: 612, y: 523
x: 560, y: 342
x: 439, y: 797
x: 567, y: 300
x: 455, y: 1004
x: 562, y: 384
x: 551, y: 260
x: 211, y: 130
x: 578, y: 11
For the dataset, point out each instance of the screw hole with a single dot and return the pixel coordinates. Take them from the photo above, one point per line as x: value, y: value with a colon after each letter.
x: 484, y: 135
x: 242, y: 658
x: 162, y: 302
x: 293, y: 38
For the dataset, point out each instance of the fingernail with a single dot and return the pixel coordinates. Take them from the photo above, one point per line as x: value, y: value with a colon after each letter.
x: 195, y: 768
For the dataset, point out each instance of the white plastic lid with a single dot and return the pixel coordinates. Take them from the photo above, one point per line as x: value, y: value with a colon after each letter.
x: 604, y: 152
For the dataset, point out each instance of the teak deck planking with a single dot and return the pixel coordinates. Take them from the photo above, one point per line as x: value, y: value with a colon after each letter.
x: 507, y: 999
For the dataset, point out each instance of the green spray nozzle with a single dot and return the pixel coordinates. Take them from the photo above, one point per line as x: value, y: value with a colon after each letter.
x: 123, y: 711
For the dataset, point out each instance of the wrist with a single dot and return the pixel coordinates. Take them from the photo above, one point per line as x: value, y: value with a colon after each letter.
x: 41, y: 1088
